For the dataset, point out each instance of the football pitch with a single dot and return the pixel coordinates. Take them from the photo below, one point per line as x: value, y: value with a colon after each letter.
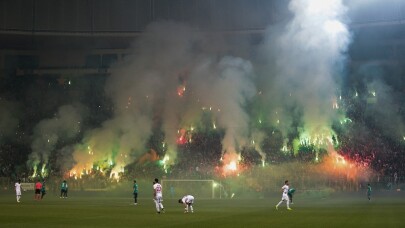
x: 91, y: 210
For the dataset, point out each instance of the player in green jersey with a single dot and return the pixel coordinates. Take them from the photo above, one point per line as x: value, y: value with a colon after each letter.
x: 63, y: 189
x: 43, y: 190
x: 135, y: 193
x: 368, y: 191
x: 290, y: 194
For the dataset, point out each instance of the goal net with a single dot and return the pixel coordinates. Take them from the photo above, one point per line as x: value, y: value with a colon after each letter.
x: 201, y: 189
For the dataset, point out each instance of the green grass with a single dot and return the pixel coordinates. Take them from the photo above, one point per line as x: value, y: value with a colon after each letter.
x: 352, y: 210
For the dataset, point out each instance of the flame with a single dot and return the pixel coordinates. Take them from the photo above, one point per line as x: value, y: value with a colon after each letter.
x: 230, y: 164
x: 180, y: 90
x: 184, y: 136
x: 338, y: 165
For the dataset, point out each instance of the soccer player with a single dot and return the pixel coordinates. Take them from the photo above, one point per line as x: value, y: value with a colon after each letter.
x: 285, y: 198
x: 368, y: 191
x: 187, y: 201
x: 38, y: 187
x: 135, y: 193
x: 158, y: 196
x: 18, y: 190
x: 63, y: 189
x: 43, y: 190
x: 290, y: 194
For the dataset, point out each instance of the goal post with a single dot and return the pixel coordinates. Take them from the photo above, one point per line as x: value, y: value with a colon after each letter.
x: 175, y: 188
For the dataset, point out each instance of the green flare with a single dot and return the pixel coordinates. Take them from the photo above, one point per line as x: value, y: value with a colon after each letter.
x: 114, y: 153
x: 35, y: 171
x: 296, y: 146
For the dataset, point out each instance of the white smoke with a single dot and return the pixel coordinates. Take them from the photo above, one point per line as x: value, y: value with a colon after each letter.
x: 308, y: 54
x: 226, y: 87
x: 145, y: 94
x: 65, y: 125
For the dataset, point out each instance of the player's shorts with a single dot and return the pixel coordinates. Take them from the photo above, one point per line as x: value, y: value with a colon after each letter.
x: 158, y: 199
x: 37, y: 191
x: 285, y: 197
x: 18, y: 193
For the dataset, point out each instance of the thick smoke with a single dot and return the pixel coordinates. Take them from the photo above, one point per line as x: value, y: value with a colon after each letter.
x: 383, y: 102
x: 166, y: 84
x: 226, y: 87
x: 258, y: 138
x: 175, y: 74
x: 308, y: 54
x: 64, y: 126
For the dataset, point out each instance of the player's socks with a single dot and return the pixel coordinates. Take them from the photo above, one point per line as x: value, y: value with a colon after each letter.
x: 279, y: 204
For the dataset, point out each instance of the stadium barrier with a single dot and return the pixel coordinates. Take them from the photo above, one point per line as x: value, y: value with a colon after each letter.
x: 28, y: 186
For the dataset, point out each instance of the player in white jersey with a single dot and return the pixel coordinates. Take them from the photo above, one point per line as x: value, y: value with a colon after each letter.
x: 158, y: 196
x: 187, y: 201
x: 18, y: 190
x: 285, y: 197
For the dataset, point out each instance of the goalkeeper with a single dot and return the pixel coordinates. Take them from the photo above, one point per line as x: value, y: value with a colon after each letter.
x: 290, y: 194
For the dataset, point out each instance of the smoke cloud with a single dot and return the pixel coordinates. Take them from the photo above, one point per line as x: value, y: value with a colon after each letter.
x: 168, y: 82
x: 308, y: 54
x: 383, y: 102
x: 175, y: 74
x: 64, y: 126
